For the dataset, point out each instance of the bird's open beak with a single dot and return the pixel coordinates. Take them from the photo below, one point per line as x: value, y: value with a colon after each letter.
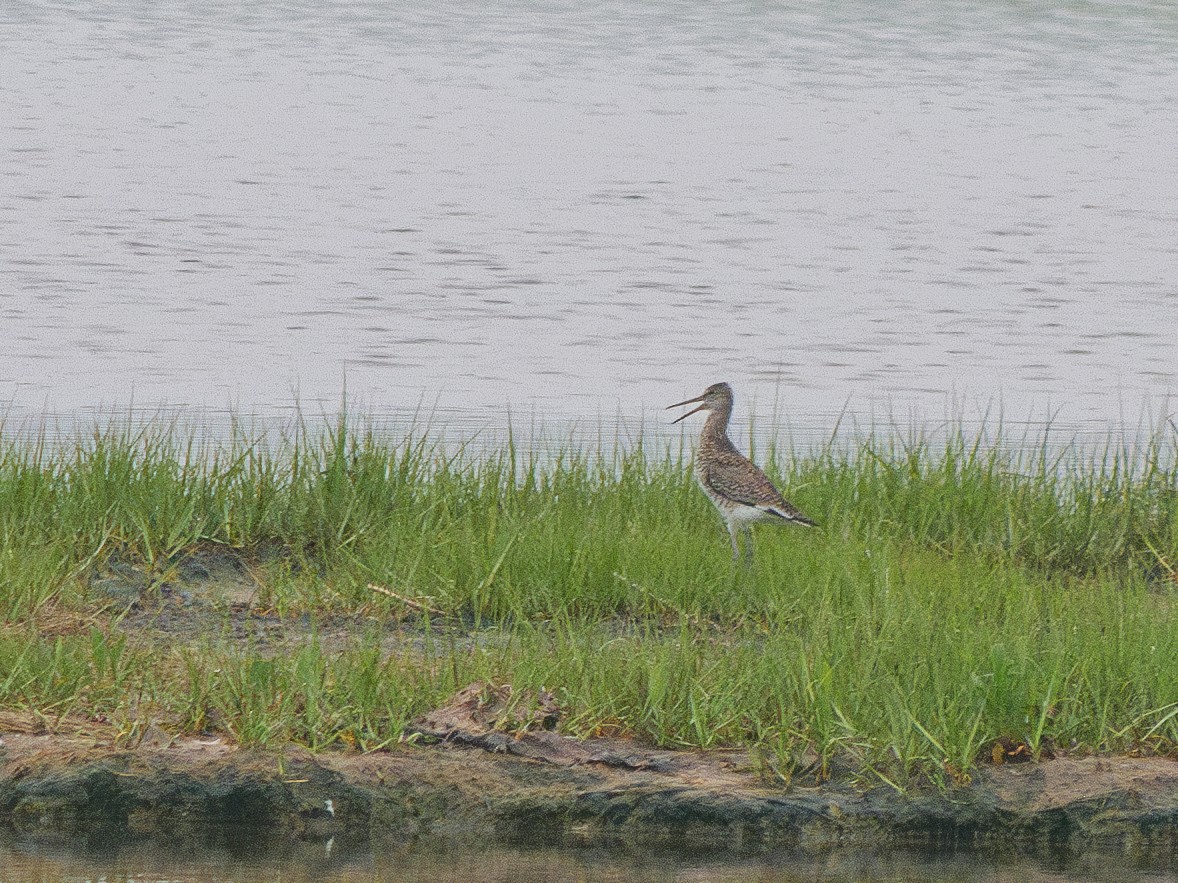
x: 689, y: 413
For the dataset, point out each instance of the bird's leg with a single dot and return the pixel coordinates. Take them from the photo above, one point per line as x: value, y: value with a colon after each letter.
x: 748, y: 548
x: 732, y: 535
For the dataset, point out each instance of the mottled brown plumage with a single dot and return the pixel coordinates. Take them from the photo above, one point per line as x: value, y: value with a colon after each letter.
x: 740, y: 491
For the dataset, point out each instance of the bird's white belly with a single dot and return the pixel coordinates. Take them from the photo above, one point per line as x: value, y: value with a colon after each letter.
x: 732, y: 511
x: 743, y: 513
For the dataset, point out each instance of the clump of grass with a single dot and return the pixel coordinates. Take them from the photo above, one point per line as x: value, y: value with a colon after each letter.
x: 957, y: 592
x: 1068, y: 510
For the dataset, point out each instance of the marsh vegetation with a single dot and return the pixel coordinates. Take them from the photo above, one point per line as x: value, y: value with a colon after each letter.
x: 964, y: 601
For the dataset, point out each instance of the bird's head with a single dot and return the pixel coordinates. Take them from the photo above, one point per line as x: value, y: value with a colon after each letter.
x: 717, y: 397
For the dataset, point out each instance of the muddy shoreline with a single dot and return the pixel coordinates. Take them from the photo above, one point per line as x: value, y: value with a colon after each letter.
x: 187, y: 794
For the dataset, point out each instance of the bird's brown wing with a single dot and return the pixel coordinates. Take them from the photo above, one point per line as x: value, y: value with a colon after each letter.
x: 734, y: 477
x: 738, y: 479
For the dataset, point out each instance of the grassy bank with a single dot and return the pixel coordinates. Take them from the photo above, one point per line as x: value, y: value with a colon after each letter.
x: 956, y: 593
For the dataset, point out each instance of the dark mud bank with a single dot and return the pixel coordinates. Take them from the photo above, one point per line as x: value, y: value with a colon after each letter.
x: 604, y: 794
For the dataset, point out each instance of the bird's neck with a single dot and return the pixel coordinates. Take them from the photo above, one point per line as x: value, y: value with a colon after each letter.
x: 715, y: 431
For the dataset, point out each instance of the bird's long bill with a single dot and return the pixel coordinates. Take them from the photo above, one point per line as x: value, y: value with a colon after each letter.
x: 689, y: 413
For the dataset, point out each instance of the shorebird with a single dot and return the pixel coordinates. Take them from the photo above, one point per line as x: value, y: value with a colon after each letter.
x: 741, y: 492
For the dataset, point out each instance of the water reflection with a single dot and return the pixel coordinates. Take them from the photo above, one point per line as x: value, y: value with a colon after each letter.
x: 588, y: 208
x: 500, y: 865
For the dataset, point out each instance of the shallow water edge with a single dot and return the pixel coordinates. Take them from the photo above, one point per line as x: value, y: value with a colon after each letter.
x: 193, y: 795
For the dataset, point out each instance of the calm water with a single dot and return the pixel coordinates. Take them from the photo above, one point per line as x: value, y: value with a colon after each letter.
x: 496, y: 865
x: 589, y: 209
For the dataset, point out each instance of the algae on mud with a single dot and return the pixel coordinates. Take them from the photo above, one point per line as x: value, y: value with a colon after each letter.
x: 958, y: 598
